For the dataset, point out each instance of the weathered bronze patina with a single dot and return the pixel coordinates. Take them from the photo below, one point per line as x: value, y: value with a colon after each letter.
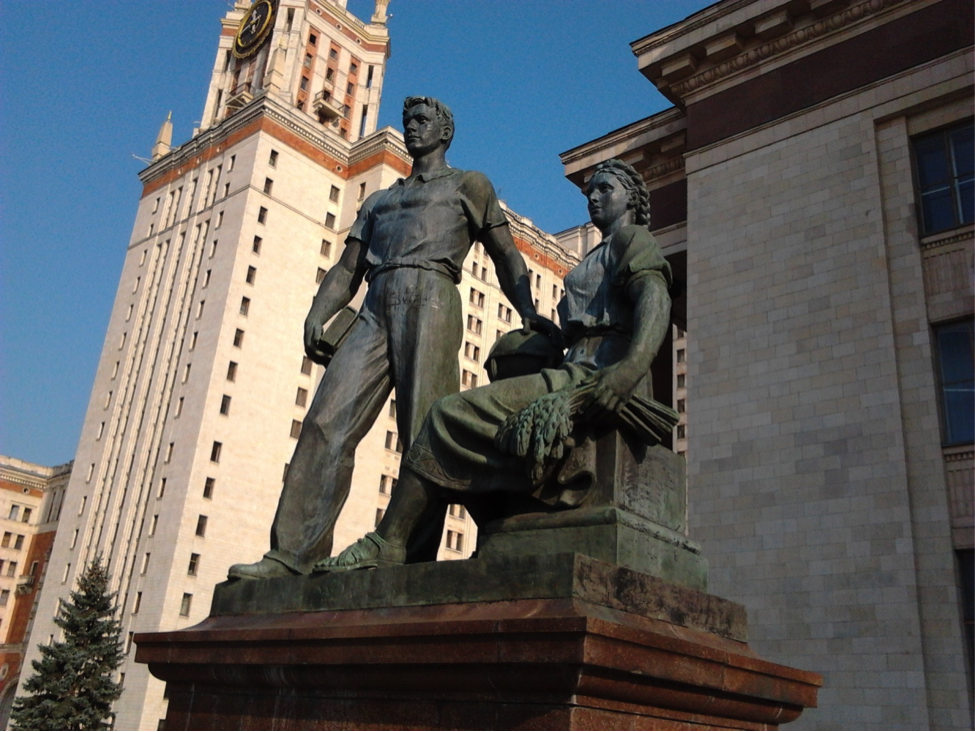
x: 408, y: 243
x: 485, y: 447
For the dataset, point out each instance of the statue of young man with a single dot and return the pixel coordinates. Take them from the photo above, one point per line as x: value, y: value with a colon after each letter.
x: 409, y: 243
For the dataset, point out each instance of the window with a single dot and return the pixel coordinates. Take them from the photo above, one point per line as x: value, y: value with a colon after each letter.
x: 349, y: 88
x: 186, y: 372
x: 333, y: 194
x: 474, y: 325
x: 326, y: 248
x: 179, y: 407
x: 193, y: 339
x: 306, y: 365
x: 19, y: 542
x: 307, y: 62
x: 4, y: 597
x: 215, y: 452
x: 245, y: 306
x: 944, y: 167
x: 162, y: 488
x: 251, y: 275
x: 208, y: 488
x: 954, y: 343
x: 74, y: 539
x: 471, y: 351
x: 393, y: 442
x: 225, y: 404
x: 681, y: 355
x: 330, y: 221
x: 455, y: 540
x: 457, y: 511
x: 145, y: 561
x: 238, y: 338
x: 101, y: 431
x: 233, y: 158
x: 268, y: 185
x: 14, y: 512
x: 91, y: 473
x: 153, y: 525
x: 201, y: 525
x: 333, y: 54
x: 128, y: 643
x: 681, y: 432
x: 392, y: 409
x: 681, y: 381
x: 468, y: 379
x: 504, y: 313
x: 312, y: 38
x: 256, y: 248
x: 272, y: 159
x: 681, y: 406
x: 67, y: 573
x: 184, y: 605
x: 301, y: 398
x: 386, y: 484
x: 220, y: 214
x: 213, y: 249
x: 12, y: 569
x: 477, y: 298
x: 137, y: 603
x: 232, y: 371
x: 362, y: 189
x: 262, y: 215
x: 295, y: 428
x: 380, y: 512
x: 194, y: 564
x: 169, y: 451
x: 199, y: 309
x: 320, y: 275
x: 33, y: 569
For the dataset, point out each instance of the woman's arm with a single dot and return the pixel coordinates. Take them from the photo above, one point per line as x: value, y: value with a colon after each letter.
x: 651, y: 318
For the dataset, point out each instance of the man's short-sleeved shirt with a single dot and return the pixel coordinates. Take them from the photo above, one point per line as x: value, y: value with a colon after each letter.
x: 427, y: 222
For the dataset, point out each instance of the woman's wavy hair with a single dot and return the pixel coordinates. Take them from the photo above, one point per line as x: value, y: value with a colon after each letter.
x: 633, y: 182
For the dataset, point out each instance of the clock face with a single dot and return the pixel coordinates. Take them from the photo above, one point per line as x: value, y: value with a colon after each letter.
x: 254, y: 28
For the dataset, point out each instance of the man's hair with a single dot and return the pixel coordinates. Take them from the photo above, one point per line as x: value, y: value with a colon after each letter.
x: 633, y: 182
x: 444, y: 115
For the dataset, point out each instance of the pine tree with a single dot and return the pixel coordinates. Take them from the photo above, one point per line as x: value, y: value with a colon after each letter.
x: 72, y: 687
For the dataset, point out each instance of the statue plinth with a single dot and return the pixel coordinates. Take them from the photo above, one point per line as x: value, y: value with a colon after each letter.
x: 633, y: 513
x: 551, y: 641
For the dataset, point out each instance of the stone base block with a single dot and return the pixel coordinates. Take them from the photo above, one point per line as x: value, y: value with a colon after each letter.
x: 576, y: 659
x: 606, y: 533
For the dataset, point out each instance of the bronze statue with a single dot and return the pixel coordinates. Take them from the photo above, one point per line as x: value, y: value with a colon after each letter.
x: 409, y: 243
x: 505, y: 437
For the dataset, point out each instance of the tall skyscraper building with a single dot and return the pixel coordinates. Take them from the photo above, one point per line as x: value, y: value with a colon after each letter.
x: 202, y: 383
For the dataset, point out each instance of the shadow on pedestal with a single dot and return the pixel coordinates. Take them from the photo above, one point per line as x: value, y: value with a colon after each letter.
x: 550, y: 641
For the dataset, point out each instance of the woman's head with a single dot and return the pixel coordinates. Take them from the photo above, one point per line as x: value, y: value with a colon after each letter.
x: 631, y: 181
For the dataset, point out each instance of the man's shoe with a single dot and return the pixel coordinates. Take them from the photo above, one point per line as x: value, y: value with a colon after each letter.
x: 369, y: 552
x: 264, y: 569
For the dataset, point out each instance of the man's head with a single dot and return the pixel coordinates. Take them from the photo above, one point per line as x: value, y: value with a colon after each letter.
x: 426, y: 121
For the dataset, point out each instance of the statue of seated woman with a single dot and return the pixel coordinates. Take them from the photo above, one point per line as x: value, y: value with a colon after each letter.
x: 526, y: 439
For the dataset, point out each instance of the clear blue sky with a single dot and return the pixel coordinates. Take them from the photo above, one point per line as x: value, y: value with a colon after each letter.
x: 83, y: 86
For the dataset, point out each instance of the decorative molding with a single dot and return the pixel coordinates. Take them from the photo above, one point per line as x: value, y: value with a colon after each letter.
x: 789, y: 42
x: 930, y: 243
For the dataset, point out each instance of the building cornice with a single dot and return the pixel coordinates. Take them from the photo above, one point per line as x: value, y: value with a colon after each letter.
x: 730, y: 39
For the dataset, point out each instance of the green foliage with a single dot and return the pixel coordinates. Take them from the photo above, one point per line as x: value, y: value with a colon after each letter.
x: 72, y: 687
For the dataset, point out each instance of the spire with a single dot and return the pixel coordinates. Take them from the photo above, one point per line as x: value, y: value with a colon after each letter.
x: 164, y: 140
x: 379, y: 17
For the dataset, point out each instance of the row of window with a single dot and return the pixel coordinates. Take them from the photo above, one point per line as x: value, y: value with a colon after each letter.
x: 20, y: 513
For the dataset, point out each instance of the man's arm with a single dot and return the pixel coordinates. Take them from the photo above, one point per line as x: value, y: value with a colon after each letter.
x: 513, y: 278
x: 336, y: 291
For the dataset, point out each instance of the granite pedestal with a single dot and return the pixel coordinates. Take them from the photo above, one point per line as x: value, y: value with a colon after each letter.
x: 551, y: 641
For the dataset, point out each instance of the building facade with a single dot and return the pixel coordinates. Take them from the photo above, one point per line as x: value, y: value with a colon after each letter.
x: 202, y: 384
x: 815, y: 179
x: 30, y: 506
